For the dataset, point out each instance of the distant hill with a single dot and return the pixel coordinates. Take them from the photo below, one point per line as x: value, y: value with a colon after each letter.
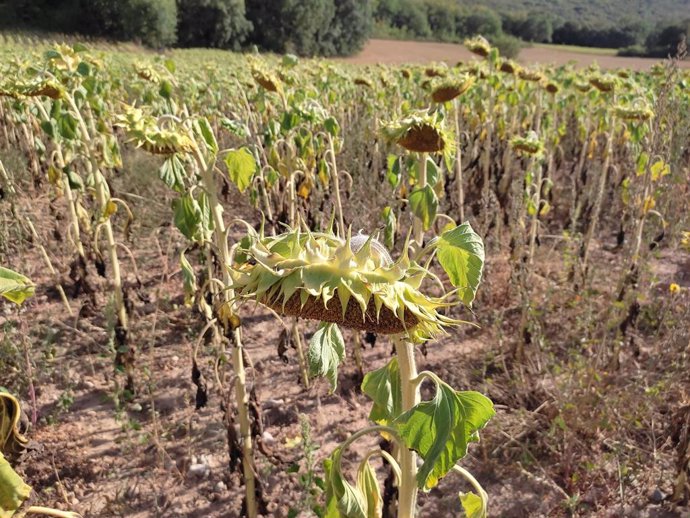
x: 596, y: 12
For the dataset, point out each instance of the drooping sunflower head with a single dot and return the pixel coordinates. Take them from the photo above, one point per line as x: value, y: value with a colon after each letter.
x: 528, y: 145
x: 448, y: 89
x: 420, y: 132
x: 479, y: 46
x: 351, y: 282
x: 638, y: 112
x: 509, y: 66
x: 143, y: 130
x: 603, y: 83
x: 266, y: 79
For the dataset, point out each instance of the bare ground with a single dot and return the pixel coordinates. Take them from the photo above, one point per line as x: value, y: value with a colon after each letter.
x: 399, y: 52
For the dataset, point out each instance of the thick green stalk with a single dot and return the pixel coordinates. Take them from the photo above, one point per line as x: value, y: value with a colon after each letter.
x: 407, y: 491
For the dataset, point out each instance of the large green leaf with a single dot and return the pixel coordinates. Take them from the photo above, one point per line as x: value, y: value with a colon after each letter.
x: 13, y: 490
x: 461, y: 254
x: 424, y: 205
x: 14, y: 286
x: 383, y: 387
x: 440, y: 430
x: 342, y: 499
x: 326, y: 351
x: 241, y: 167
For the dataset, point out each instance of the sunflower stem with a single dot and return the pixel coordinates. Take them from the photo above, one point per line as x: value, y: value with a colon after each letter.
x: 407, y: 490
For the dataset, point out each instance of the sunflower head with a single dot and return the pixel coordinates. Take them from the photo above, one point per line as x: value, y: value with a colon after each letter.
x: 640, y: 113
x: 529, y: 145
x: 603, y: 83
x: 143, y: 130
x: 447, y: 90
x: 479, y: 46
x: 420, y: 132
x: 352, y: 282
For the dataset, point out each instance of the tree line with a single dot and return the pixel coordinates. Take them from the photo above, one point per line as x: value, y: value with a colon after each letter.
x: 325, y: 27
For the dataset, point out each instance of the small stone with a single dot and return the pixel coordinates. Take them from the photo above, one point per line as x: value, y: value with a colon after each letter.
x: 199, y: 470
x: 135, y: 407
x: 175, y: 359
x: 220, y: 487
x: 268, y: 438
x: 657, y: 496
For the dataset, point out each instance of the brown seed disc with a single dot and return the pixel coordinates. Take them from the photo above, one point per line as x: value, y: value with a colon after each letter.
x: 422, y: 139
x: 386, y: 324
x: 445, y: 94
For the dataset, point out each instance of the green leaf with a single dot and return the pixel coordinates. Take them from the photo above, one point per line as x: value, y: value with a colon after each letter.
x: 393, y: 171
x: 241, y: 167
x: 207, y: 134
x: 75, y: 181
x: 13, y: 490
x: 472, y: 505
x: 389, y: 230
x: 342, y: 500
x: 332, y: 126
x: 368, y: 486
x: 165, y: 89
x: 461, y: 255
x: 14, y: 286
x: 67, y: 126
x: 189, y: 280
x: 383, y: 387
x: 440, y: 430
x: 432, y: 172
x: 172, y: 173
x: 326, y: 351
x: 424, y: 205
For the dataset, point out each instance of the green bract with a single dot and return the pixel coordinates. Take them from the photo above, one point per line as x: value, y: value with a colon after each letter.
x: 322, y: 277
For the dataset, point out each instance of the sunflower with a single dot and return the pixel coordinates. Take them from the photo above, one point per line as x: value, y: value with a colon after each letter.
x: 352, y: 282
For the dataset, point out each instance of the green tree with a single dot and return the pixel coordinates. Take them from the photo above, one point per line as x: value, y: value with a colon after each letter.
x: 349, y: 28
x: 212, y: 23
x: 298, y: 26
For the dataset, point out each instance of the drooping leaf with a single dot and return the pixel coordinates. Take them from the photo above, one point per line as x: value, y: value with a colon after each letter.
x: 440, y: 430
x: 13, y: 490
x: 369, y: 487
x: 342, y: 499
x: 424, y: 205
x: 472, y: 505
x: 14, y: 286
x: 389, y: 228
x: 461, y: 255
x: 189, y: 280
x: 326, y: 351
x: 207, y: 134
x: 172, y: 173
x: 241, y: 167
x: 383, y: 387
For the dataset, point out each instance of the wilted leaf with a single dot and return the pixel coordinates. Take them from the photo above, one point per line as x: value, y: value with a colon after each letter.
x: 241, y: 167
x: 461, y: 255
x: 326, y: 351
x: 440, y: 430
x: 14, y: 286
x: 424, y: 205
